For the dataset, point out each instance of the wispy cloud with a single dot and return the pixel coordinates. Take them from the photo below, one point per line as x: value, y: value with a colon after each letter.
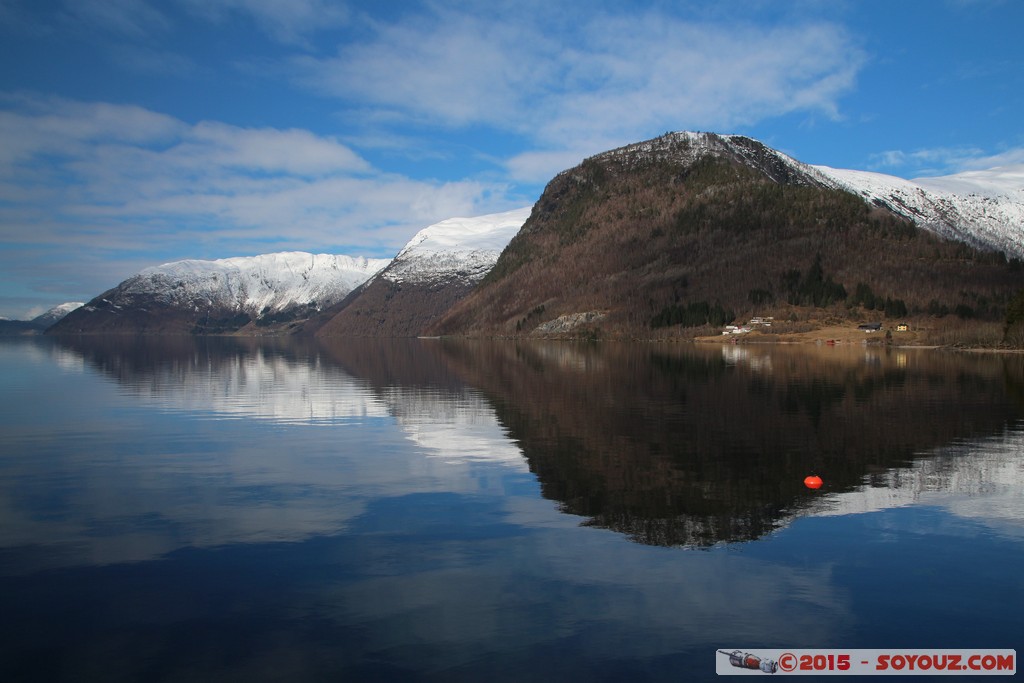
x: 939, y: 161
x: 446, y: 69
x: 585, y: 80
x: 96, y: 177
x: 1009, y: 157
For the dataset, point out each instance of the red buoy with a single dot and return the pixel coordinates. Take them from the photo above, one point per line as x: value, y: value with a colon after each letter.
x: 813, y: 482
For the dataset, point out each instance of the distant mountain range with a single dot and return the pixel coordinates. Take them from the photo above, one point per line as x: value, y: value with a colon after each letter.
x: 258, y: 294
x: 40, y: 323
x: 654, y: 234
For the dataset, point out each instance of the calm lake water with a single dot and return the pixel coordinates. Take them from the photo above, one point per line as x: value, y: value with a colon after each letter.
x: 222, y: 509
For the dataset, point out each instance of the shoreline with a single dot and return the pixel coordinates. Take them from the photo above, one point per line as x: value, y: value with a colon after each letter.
x: 846, y: 336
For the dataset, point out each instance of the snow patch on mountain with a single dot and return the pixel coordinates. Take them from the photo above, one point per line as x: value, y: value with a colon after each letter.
x: 456, y: 248
x: 982, y: 208
x: 57, y: 313
x: 256, y: 285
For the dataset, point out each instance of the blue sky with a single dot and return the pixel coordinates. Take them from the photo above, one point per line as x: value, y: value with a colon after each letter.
x: 136, y: 132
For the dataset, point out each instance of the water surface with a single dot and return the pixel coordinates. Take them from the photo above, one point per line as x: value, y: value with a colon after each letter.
x: 222, y: 509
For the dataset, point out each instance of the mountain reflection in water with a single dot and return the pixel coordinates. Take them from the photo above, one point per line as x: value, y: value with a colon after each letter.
x: 676, y: 445
x: 685, y: 445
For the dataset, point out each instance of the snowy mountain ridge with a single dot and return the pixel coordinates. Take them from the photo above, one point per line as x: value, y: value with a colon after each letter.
x: 687, y: 147
x: 39, y: 323
x: 438, y: 267
x: 456, y: 248
x: 256, y: 285
x: 984, y: 209
x: 57, y: 313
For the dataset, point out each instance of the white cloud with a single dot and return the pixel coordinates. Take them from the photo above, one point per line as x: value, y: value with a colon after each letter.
x: 85, y: 178
x: 297, y: 152
x: 452, y: 70
x: 32, y: 125
x: 1009, y: 157
x: 940, y: 161
x: 586, y: 80
x: 541, y: 166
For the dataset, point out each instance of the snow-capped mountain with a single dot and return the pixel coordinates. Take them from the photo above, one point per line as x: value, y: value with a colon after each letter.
x: 982, y: 208
x: 38, y: 324
x: 224, y: 295
x: 57, y: 313
x: 256, y: 285
x: 685, y: 148
x: 457, y: 248
x: 436, y: 268
x: 616, y: 243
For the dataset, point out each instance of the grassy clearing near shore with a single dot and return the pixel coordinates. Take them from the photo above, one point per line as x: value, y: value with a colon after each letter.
x: 950, y: 332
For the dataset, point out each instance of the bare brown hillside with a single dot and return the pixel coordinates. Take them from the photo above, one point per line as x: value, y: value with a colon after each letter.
x: 392, y: 309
